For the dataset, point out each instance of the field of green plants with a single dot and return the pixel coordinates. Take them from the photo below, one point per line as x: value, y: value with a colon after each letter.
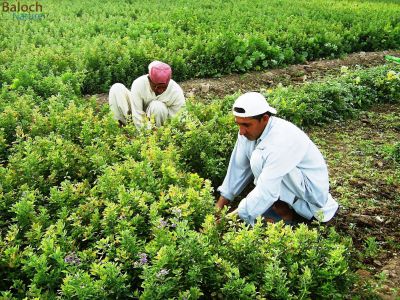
x: 88, y: 45
x: 89, y: 210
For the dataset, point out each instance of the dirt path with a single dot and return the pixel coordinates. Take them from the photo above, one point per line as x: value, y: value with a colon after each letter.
x: 365, y: 179
x: 295, y: 74
x: 255, y: 81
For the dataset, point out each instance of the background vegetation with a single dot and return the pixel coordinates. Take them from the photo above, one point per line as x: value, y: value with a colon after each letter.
x: 90, y: 45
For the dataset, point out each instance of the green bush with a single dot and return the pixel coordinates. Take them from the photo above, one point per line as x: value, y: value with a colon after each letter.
x: 44, y: 162
x: 274, y: 262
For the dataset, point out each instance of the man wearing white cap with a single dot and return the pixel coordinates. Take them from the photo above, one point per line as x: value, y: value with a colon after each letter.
x: 152, y: 95
x: 289, y: 172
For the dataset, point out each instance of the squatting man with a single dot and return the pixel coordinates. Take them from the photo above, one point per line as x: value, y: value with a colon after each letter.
x: 290, y: 175
x: 154, y: 95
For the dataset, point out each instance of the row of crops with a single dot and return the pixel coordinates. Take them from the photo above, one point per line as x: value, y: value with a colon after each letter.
x: 89, y: 210
x: 88, y: 45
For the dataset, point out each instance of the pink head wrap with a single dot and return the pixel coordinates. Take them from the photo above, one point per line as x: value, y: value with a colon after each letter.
x: 159, y: 72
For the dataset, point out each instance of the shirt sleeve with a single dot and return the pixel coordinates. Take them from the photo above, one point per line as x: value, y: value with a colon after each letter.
x: 177, y: 104
x: 265, y: 193
x: 239, y: 172
x: 277, y: 161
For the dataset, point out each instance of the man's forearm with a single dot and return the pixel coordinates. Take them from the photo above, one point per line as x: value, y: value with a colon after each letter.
x: 222, y: 201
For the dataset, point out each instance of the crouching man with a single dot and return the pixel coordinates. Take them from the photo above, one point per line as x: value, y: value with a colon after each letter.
x: 152, y: 95
x: 289, y: 172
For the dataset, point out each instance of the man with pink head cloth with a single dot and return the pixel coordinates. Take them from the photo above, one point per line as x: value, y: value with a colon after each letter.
x: 154, y: 95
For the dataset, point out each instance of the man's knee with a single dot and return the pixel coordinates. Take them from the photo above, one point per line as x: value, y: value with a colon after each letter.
x: 118, y: 99
x: 116, y: 90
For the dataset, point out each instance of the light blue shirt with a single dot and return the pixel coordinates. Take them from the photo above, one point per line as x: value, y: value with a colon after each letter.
x: 281, y: 148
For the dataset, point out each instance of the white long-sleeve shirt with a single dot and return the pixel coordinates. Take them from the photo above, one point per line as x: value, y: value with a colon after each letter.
x: 142, y: 95
x: 281, y: 147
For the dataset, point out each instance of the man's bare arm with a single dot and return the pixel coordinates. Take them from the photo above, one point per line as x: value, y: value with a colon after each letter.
x: 222, y: 201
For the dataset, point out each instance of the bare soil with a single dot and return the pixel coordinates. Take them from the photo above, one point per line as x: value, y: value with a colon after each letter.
x: 365, y: 179
x: 291, y: 75
x: 209, y: 88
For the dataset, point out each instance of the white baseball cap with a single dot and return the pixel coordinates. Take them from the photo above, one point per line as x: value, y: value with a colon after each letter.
x: 251, y: 104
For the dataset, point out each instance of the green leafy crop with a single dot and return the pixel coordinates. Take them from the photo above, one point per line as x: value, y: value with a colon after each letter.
x: 90, y: 210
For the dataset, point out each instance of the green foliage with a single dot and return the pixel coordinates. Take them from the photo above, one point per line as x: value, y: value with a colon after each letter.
x: 203, y: 135
x: 270, y: 262
x: 90, y: 210
x: 371, y: 248
x: 81, y: 48
x: 337, y: 98
x: 44, y: 162
x: 396, y: 152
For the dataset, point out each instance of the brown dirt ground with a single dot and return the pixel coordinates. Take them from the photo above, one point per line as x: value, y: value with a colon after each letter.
x: 295, y: 74
x: 361, y: 179
x: 209, y: 88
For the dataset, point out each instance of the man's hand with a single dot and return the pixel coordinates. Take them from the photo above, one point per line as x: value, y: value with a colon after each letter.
x: 219, y: 206
x: 232, y: 213
x: 221, y: 203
